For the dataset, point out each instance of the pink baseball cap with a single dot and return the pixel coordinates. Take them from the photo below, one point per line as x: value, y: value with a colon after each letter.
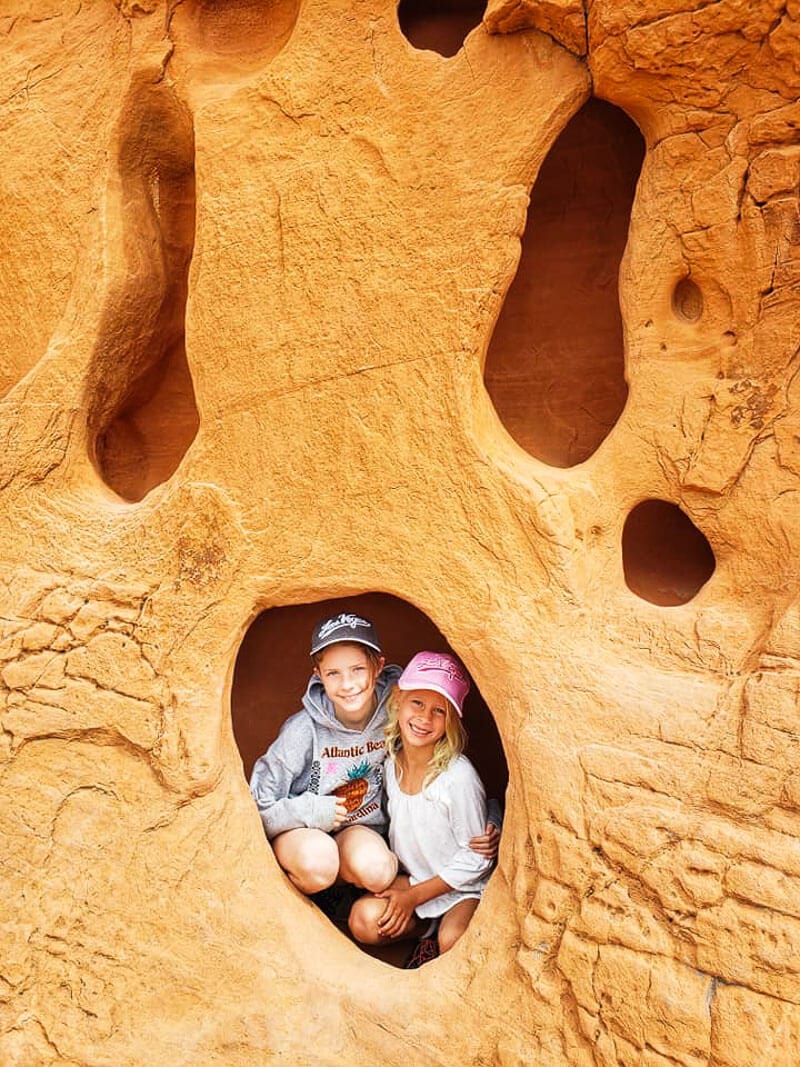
x: 439, y: 672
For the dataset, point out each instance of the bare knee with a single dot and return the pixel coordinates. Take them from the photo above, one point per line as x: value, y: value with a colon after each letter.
x: 363, y: 920
x: 314, y: 879
x: 366, y: 860
x: 311, y: 860
x: 454, y: 923
x: 448, y: 937
x: 378, y: 872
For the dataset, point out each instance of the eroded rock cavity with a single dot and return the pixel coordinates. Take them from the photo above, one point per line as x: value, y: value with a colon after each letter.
x: 272, y: 670
x: 555, y: 368
x: 143, y: 414
x: 439, y: 25
x: 666, y: 558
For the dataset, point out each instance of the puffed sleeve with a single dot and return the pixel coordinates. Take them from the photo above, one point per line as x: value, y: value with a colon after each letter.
x: 465, y: 798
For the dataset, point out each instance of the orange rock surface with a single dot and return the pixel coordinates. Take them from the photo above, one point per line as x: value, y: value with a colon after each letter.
x: 263, y: 344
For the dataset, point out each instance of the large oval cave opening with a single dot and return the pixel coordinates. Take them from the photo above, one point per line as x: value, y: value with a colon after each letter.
x: 262, y: 697
x: 555, y: 367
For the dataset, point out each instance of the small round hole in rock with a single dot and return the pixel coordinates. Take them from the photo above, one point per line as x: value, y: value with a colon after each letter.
x: 687, y: 301
x: 439, y: 25
x: 665, y: 558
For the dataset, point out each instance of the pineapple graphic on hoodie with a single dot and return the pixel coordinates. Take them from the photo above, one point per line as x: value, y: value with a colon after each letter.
x: 316, y: 760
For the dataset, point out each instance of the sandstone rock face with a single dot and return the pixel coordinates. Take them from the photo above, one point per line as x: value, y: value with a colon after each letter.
x: 262, y: 346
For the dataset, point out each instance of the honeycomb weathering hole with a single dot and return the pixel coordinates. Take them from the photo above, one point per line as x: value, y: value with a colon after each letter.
x: 143, y: 414
x: 439, y: 25
x: 687, y: 300
x: 273, y: 666
x: 235, y: 31
x: 555, y: 367
x: 665, y: 558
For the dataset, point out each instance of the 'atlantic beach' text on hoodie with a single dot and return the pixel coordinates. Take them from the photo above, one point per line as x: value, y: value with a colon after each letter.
x: 316, y: 760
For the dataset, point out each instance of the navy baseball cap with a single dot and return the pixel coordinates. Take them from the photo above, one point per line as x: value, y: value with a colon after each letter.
x: 344, y: 627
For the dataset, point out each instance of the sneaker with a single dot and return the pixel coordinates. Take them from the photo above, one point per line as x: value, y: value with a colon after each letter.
x: 426, y: 949
x: 336, y: 901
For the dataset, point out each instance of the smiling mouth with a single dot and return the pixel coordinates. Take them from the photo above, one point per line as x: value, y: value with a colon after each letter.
x: 419, y: 731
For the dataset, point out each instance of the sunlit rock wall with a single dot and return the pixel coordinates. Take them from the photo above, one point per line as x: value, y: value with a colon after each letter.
x: 263, y: 342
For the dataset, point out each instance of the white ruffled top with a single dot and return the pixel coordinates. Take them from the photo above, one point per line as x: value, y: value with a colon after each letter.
x: 429, y: 832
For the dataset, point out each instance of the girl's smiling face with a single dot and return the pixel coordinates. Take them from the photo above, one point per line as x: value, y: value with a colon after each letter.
x: 422, y: 717
x: 349, y: 675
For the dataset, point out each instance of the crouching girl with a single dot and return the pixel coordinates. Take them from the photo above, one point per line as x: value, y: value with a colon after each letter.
x: 436, y: 803
x: 319, y: 786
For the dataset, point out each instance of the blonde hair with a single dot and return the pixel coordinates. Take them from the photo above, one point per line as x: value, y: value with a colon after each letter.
x: 450, y: 745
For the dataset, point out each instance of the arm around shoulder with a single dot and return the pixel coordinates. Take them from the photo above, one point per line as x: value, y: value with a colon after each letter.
x: 466, y: 802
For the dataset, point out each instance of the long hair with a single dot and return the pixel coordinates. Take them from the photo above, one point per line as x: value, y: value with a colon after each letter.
x: 450, y: 745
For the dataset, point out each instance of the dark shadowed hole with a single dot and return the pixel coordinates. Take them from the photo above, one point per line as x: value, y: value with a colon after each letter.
x: 273, y: 667
x: 555, y: 367
x: 142, y: 410
x: 687, y: 301
x: 439, y: 25
x: 666, y: 559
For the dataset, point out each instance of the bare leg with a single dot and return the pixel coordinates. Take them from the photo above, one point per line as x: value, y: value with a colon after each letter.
x: 365, y: 859
x: 455, y: 922
x: 309, y: 857
x: 366, y: 912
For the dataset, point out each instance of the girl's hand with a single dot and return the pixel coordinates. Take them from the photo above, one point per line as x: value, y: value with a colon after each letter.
x: 341, y: 814
x: 398, y: 915
x: 487, y: 844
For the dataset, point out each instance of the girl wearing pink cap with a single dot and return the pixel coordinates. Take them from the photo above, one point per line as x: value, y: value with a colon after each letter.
x: 436, y: 803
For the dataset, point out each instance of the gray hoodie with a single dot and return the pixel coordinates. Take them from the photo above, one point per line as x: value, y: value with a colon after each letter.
x: 315, y: 759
